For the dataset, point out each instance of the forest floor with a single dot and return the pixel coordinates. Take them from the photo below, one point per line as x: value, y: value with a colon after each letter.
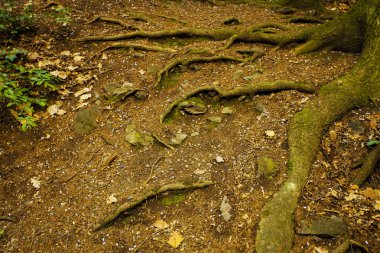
x: 58, y: 182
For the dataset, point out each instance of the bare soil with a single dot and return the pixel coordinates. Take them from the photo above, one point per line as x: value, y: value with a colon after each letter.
x: 76, y: 180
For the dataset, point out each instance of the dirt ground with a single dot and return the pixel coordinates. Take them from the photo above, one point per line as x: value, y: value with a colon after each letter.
x: 58, y: 184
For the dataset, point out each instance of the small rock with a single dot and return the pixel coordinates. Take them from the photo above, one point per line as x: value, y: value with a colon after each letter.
x: 178, y: 139
x: 215, y: 119
x: 85, y: 121
x: 227, y: 110
x: 332, y: 226
x: 141, y: 94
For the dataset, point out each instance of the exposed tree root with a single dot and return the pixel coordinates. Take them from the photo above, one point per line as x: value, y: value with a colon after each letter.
x: 149, y: 194
x: 350, y: 246
x: 276, y: 227
x: 114, y: 21
x: 248, y: 90
x: 367, y: 166
x: 306, y: 19
x: 137, y: 46
x: 251, y: 34
x: 184, y: 62
x: 162, y: 142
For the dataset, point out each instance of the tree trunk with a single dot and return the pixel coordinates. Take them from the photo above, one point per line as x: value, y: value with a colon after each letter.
x: 276, y: 227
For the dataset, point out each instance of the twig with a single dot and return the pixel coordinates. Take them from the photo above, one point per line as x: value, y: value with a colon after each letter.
x: 149, y: 194
x: 153, y: 167
x: 71, y: 177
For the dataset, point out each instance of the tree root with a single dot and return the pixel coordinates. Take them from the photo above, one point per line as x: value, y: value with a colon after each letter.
x: 149, y: 194
x: 114, y: 21
x: 348, y: 245
x: 367, y: 166
x: 251, y: 34
x: 184, y: 62
x: 305, y: 19
x: 162, y: 142
x: 138, y: 46
x: 276, y: 226
x: 248, y: 90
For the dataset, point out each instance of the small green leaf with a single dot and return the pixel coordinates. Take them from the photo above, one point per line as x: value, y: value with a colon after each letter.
x: 372, y: 143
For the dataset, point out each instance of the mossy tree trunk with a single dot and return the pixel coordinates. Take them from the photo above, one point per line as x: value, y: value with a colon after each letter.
x: 355, y: 89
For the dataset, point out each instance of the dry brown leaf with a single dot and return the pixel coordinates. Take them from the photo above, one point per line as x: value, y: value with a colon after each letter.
x: 369, y: 193
x: 60, y: 74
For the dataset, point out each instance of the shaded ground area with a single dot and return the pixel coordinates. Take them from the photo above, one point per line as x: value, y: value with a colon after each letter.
x: 57, y: 184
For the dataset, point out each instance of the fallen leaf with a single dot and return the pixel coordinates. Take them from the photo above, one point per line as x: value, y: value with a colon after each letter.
x: 60, y: 74
x: 369, y: 193
x: 55, y: 110
x: 85, y: 96
x: 111, y: 199
x: 270, y: 133
x: 175, y: 239
x: 35, y: 182
x: 78, y: 58
x: 160, y: 224
x: 33, y: 56
x: 82, y: 91
x: 219, y: 159
x: 65, y: 53
x: 225, y: 209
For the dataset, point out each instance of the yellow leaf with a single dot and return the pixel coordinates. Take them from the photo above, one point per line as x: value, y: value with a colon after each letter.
x: 175, y: 239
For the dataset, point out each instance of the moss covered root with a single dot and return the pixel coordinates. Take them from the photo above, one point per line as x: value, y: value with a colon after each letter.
x: 248, y: 90
x: 149, y: 194
x: 276, y: 227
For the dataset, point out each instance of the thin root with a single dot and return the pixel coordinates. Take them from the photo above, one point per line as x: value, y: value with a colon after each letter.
x: 368, y: 165
x: 248, y: 90
x: 138, y: 47
x: 149, y: 194
x: 114, y: 21
x: 184, y: 62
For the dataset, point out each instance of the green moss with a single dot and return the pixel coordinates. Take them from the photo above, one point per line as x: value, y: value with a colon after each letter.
x: 173, y: 200
x: 170, y: 80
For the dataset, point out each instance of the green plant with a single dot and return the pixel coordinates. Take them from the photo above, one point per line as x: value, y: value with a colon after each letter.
x: 14, y: 21
x: 62, y: 14
x: 22, y: 88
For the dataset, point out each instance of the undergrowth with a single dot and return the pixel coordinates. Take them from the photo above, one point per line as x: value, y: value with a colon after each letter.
x: 23, y: 89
